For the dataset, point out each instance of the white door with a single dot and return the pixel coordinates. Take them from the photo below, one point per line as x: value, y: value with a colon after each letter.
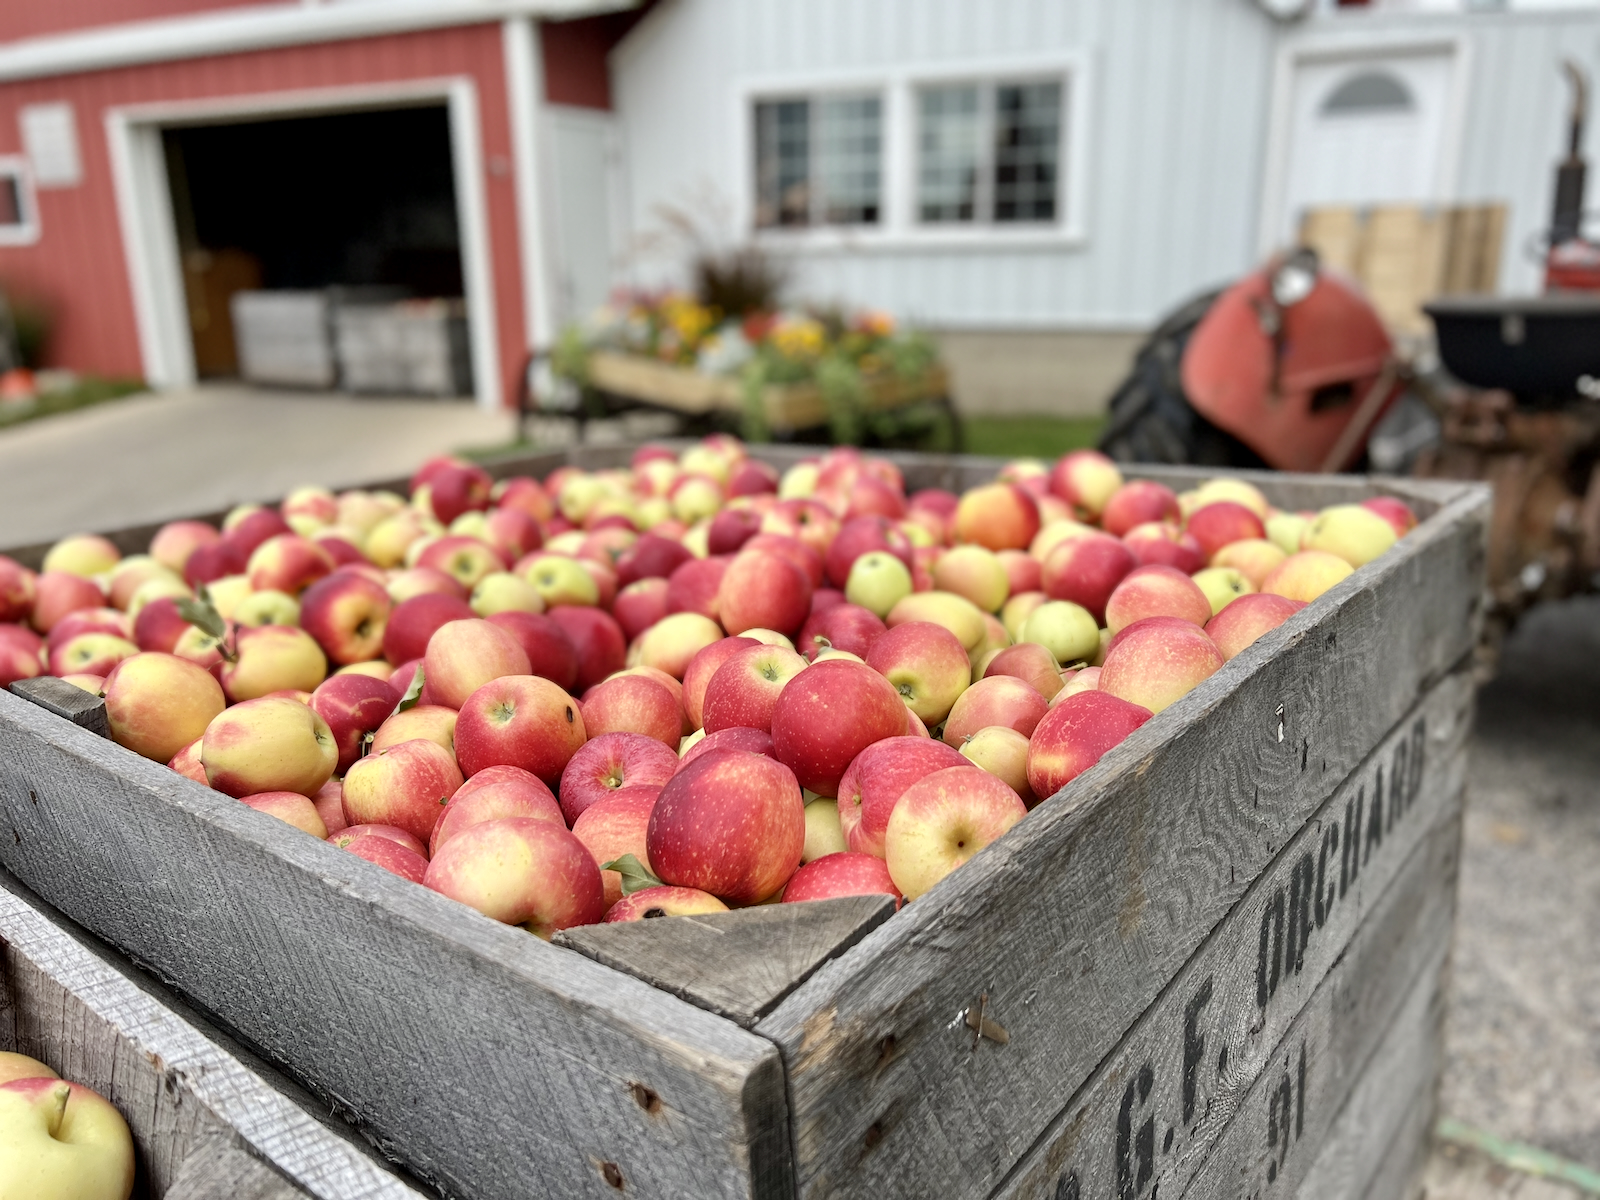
x: 584, y: 143
x: 1367, y: 130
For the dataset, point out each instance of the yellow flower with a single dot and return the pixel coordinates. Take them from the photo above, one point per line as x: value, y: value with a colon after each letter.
x: 799, y: 338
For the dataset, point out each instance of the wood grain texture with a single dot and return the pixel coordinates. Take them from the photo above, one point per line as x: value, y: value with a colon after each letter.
x: 219, y: 1170
x: 1356, y: 1123
x: 65, y: 700
x: 494, y: 1064
x: 738, y: 964
x: 1074, y: 923
x: 1316, y: 918
x: 180, y: 1091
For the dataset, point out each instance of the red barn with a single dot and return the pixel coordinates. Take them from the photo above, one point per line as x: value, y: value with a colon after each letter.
x: 158, y: 155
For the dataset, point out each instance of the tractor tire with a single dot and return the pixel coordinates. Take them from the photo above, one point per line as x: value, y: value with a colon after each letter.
x: 1149, y: 418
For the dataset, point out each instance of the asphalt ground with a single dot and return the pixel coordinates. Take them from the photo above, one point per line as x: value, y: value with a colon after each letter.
x: 1523, y: 1032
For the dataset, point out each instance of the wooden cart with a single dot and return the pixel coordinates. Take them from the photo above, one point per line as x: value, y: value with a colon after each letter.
x: 1212, y: 966
x: 205, y: 1124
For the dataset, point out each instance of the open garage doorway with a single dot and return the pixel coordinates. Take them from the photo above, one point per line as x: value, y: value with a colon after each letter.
x: 375, y: 192
x: 362, y: 202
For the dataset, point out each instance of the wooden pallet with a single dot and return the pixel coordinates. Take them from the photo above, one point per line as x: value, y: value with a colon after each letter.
x: 1210, y: 966
x: 204, y: 1124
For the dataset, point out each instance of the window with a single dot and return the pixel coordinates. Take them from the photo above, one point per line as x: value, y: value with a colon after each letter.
x: 1369, y: 92
x: 819, y: 161
x: 989, y: 153
x: 19, y: 218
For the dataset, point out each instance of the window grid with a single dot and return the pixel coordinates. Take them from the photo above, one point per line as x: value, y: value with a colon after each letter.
x: 783, y: 163
x: 950, y: 166
x: 1027, y: 149
x: 989, y: 154
x: 819, y: 161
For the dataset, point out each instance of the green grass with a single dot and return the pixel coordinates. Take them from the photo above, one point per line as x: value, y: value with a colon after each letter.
x: 1029, y: 437
x: 85, y: 393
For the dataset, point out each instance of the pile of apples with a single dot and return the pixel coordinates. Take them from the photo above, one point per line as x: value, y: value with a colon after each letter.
x: 59, y: 1140
x: 677, y: 687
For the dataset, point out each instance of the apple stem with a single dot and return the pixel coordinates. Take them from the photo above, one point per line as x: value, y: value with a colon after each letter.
x: 59, y: 1095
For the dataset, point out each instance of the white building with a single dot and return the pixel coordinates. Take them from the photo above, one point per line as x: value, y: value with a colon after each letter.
x: 1055, y: 174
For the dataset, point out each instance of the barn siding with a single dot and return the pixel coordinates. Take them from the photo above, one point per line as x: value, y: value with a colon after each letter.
x: 78, y: 266
x: 1182, y: 92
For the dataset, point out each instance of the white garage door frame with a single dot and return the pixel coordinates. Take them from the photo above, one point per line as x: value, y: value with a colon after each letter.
x: 149, y: 231
x: 1366, y: 49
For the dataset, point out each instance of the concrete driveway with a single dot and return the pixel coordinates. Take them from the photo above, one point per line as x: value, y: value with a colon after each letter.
x: 151, y: 457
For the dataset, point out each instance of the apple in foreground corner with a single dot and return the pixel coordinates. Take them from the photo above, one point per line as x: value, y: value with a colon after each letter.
x: 844, y: 874
x: 58, y: 1139
x: 1247, y: 618
x: 941, y: 821
x: 522, y: 872
x: 664, y: 901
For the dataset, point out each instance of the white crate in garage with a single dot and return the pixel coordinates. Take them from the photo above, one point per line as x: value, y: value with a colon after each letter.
x: 283, y: 338
x: 412, y: 347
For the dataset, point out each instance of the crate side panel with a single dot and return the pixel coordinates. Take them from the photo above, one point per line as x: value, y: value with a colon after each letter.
x: 177, y: 1088
x: 1074, y: 923
x: 482, y: 1057
x: 1307, y: 924
x: 1341, y: 1110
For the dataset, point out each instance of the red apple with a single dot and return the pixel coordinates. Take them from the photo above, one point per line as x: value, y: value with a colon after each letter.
x: 392, y: 856
x: 353, y: 706
x: 640, y: 605
x: 801, y: 554
x: 755, y: 741
x: 1086, y: 480
x: 521, y: 872
x: 87, y: 620
x: 841, y: 626
x: 464, y: 655
x: 423, y: 581
x: 996, y: 700
x: 287, y: 563
x: 186, y: 762
x: 1075, y: 734
x: 175, y: 541
x: 862, y: 535
x: 1156, y: 591
x: 253, y: 528
x: 876, y: 779
x: 700, y: 670
x: 329, y: 803
x: 651, y: 557
x: 664, y: 902
x: 465, y: 559
x: 610, y: 762
x: 346, y: 613
x: 57, y: 593
x: 268, y: 745
x: 731, y: 823
x: 1138, y: 502
x: 926, y: 663
x: 633, y: 704
x: 805, y: 521
x: 90, y: 654
x: 762, y: 590
x: 159, y: 625
x: 209, y: 563
x: 21, y: 654
x: 942, y: 820
x: 1244, y: 620
x: 598, y: 640
x: 156, y: 704
x: 1024, y: 573
x: 1396, y: 512
x: 844, y: 874
x: 405, y: 786
x: 1222, y: 522
x: 491, y: 794
x: 744, y: 690
x: 693, y: 587
x: 1030, y: 662
x: 616, y: 825
x: 828, y: 714
x: 520, y: 721
x: 999, y: 516
x: 1166, y: 544
x: 732, y: 528
x: 550, y: 651
x: 1154, y: 662
x: 1085, y: 570
x: 752, y: 477
x: 291, y: 808
x: 413, y: 622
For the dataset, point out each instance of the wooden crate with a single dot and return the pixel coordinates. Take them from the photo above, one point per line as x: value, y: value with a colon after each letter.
x: 787, y: 405
x: 204, y: 1124
x: 1210, y: 966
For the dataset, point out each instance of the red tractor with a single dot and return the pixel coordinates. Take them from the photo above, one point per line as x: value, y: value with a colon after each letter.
x: 1291, y: 368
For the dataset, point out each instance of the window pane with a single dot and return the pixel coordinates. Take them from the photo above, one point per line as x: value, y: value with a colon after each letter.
x: 1027, y: 151
x: 10, y: 200
x: 849, y: 150
x: 783, y: 166
x: 950, y: 153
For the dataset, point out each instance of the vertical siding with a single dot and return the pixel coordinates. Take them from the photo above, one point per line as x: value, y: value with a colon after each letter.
x: 1180, y: 98
x: 78, y: 266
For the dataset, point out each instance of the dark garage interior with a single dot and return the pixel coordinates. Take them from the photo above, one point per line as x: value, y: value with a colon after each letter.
x: 362, y: 199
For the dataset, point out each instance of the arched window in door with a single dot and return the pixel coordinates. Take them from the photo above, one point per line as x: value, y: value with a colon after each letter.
x: 1369, y: 93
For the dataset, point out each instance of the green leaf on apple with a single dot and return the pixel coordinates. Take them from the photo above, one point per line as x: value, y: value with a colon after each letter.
x: 413, y: 693
x: 202, y: 613
x: 635, y: 875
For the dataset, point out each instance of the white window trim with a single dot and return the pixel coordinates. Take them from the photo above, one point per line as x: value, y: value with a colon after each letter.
x: 26, y: 233
x: 899, y: 229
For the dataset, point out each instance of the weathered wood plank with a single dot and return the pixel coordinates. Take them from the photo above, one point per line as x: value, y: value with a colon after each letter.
x: 178, y: 1089
x: 1317, y: 918
x: 1325, y: 1132
x: 491, y: 1062
x: 1107, y: 889
x: 218, y: 1170
x: 65, y: 700
x: 738, y: 964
